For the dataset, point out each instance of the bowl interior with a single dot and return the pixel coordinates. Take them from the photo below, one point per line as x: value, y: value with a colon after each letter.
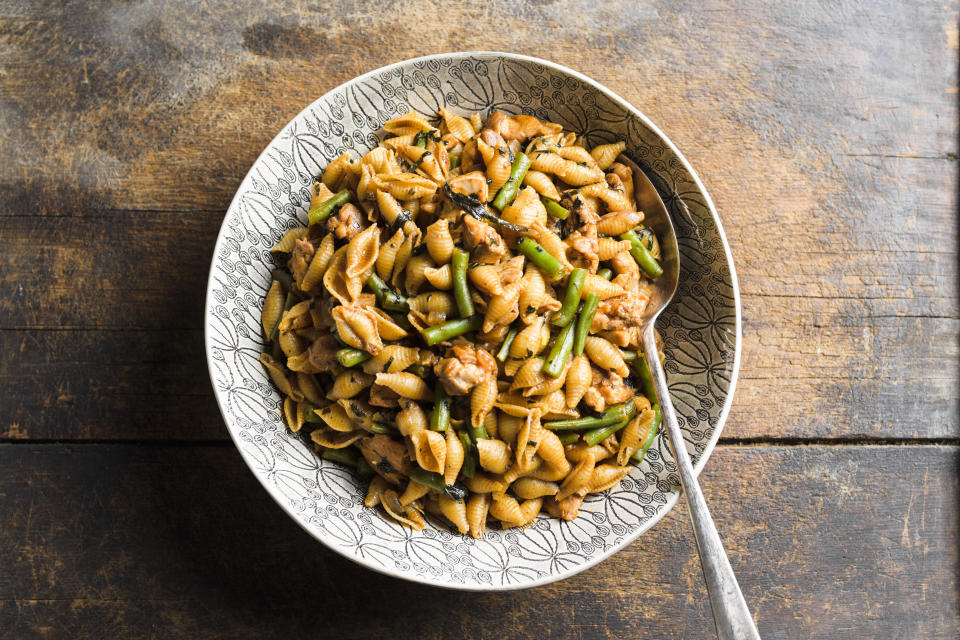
x: 701, y: 328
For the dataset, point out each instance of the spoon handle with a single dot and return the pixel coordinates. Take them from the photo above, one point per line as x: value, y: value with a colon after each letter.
x: 730, y: 612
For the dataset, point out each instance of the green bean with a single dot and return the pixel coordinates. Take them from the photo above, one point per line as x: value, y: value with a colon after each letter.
x: 509, y: 189
x: 560, y: 352
x: 598, y: 435
x: 478, y: 433
x: 351, y: 357
x: 401, y: 320
x: 420, y: 140
x: 571, y: 298
x: 323, y: 210
x: 469, y: 467
x: 440, y: 417
x: 451, y: 329
x: 642, y: 255
x: 436, y: 482
x: 310, y: 415
x: 638, y: 456
x: 461, y: 292
x: 629, y: 356
x: 454, y: 160
x: 590, y: 304
x: 289, y: 302
x: 343, y: 456
x: 376, y: 427
x: 428, y: 479
x: 569, y: 437
x: 646, y: 380
x: 505, y: 347
x: 364, y: 468
x: 418, y: 370
x: 555, y: 209
x: 387, y: 298
x: 613, y: 415
x: 539, y: 256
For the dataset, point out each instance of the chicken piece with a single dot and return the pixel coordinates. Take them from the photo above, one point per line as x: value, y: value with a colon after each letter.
x: 585, y: 210
x: 347, y: 223
x: 487, y: 245
x: 388, y: 457
x: 584, y: 246
x: 613, y: 389
x: 619, y: 312
x: 464, y: 367
x: 519, y: 127
x: 511, y: 270
x: 323, y: 353
x: 381, y: 396
x: 300, y: 260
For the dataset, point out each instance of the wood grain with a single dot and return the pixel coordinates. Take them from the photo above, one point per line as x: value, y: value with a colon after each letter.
x: 125, y: 541
x: 827, y: 138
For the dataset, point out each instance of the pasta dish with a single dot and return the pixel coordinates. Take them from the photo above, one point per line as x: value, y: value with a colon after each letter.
x: 459, y: 321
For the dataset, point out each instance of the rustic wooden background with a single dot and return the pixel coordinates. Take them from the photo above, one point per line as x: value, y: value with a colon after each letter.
x: 827, y: 135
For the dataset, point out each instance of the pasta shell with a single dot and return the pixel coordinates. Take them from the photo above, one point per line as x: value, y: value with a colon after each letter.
x: 336, y: 439
x: 455, y: 457
x: 606, y: 154
x: 415, y: 276
x: 472, y: 183
x: 551, y: 450
x: 336, y: 418
x: 600, y: 287
x: 478, y: 506
x: 607, y: 248
x: 507, y: 509
x: 336, y: 172
x: 388, y: 255
x: 616, y: 200
x: 407, y: 186
x: 613, y: 224
x: 529, y: 375
x: 542, y: 184
x: 493, y: 455
x: 455, y: 511
x: 483, y: 483
x: 502, y: 309
x: 567, y: 170
x: 606, y: 356
x: 279, y: 377
x: 391, y: 359
x: 430, y: 450
x: 482, y: 398
x: 529, y: 488
x: 439, y: 241
x: 409, y: 123
x: 333, y: 278
x: 413, y: 492
x: 439, y: 277
x: 391, y: 504
x: 579, y: 378
x: 548, y: 385
x: 348, y: 384
x: 577, y: 452
x: 424, y: 160
x: 606, y: 476
x: 387, y: 327
x: 411, y: 419
x: 289, y: 240
x: 525, y: 209
x: 377, y: 486
x: 435, y: 301
x: 272, y: 308
x: 528, y: 512
x: 362, y: 253
x: 358, y: 327
x: 579, y: 478
x: 457, y: 125
x: 406, y: 385
x: 497, y: 162
x: 381, y: 159
x: 310, y: 388
x: 634, y: 434
x: 529, y: 438
x: 486, y: 277
x: 318, y: 264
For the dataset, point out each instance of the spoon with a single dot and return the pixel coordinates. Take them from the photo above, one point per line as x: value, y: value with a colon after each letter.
x: 730, y: 612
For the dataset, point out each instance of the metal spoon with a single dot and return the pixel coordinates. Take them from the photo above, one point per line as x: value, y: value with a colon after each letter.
x: 730, y: 612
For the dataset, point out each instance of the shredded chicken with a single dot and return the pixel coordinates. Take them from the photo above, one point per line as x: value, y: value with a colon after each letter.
x: 388, y: 457
x: 381, y: 396
x: 511, y: 270
x: 492, y: 138
x: 585, y: 209
x: 584, y: 247
x: 464, y: 367
x: 619, y: 312
x: 486, y: 243
x: 473, y: 183
x: 300, y: 260
x: 519, y: 127
x: 347, y: 223
x: 470, y: 157
x: 323, y: 353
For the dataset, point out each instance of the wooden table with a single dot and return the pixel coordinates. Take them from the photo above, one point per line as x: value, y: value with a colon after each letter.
x: 827, y: 135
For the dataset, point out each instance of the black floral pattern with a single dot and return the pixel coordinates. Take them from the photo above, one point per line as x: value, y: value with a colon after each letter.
x: 701, y: 329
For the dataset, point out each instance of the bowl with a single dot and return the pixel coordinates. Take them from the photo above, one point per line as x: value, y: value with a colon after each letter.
x: 701, y: 328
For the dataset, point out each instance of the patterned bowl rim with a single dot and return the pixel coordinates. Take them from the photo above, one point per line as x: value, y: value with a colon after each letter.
x: 674, y: 496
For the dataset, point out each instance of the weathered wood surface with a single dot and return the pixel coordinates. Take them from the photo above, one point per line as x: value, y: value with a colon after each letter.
x: 125, y: 541
x: 827, y: 136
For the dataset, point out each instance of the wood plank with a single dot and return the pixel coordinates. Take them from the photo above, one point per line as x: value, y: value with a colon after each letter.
x: 124, y: 541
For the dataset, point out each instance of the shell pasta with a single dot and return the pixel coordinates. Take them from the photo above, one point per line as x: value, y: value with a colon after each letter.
x: 459, y: 322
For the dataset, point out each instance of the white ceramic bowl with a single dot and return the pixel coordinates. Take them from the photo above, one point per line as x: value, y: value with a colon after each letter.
x: 701, y: 328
